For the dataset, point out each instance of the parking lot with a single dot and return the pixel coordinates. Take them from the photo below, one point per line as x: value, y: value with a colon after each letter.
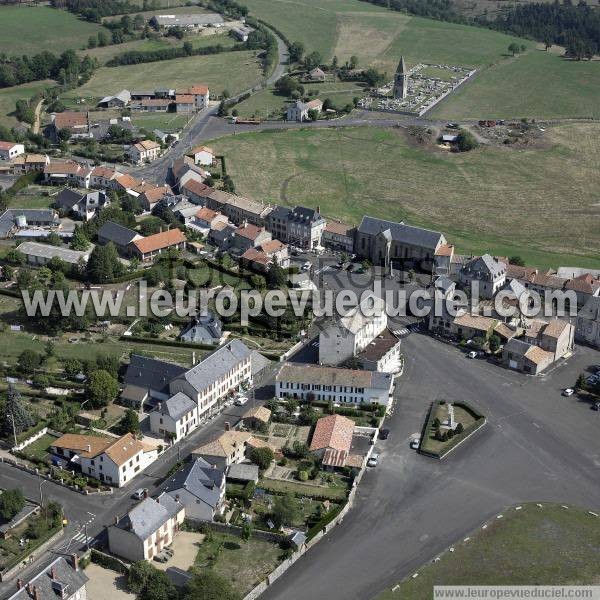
x: 536, y: 446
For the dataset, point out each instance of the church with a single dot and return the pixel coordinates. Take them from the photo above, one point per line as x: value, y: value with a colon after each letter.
x: 401, y: 80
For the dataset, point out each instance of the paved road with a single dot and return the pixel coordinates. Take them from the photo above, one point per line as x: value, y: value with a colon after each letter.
x: 194, y: 133
x: 537, y: 446
x: 100, y: 511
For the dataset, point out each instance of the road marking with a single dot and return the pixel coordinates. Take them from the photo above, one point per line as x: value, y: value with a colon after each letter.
x: 401, y: 332
x: 535, y: 424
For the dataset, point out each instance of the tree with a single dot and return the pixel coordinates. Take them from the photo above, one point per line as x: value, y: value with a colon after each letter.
x: 296, y: 51
x: 246, y: 533
x: 208, y: 585
x: 459, y: 428
x: 72, y: 367
x: 188, y: 48
x: 353, y: 62
x: 16, y: 414
x: 495, y: 343
x: 291, y: 405
x: 300, y: 449
x: 276, y: 276
x: 262, y: 457
x: 104, y: 264
x: 466, y: 141
x: 514, y: 48
x: 285, y: 510
x: 29, y: 361
x: 312, y: 60
x: 516, y: 260
x: 101, y: 388
x: 79, y: 241
x: 11, y: 502
x: 130, y: 423
x: 14, y: 257
x: 313, y: 114
x: 92, y: 42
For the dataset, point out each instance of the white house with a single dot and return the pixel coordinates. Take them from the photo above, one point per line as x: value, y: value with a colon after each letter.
x: 324, y: 384
x: 10, y: 150
x: 175, y: 417
x: 487, y: 271
x: 201, y: 95
x: 203, y: 155
x: 587, y: 328
x: 144, y: 151
x: 114, y: 462
x: 222, y: 372
x: 147, y: 528
x: 350, y: 334
x: 299, y: 111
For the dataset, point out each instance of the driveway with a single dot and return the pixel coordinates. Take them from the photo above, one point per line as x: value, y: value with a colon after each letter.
x: 104, y: 583
x: 185, y: 547
x: 536, y: 446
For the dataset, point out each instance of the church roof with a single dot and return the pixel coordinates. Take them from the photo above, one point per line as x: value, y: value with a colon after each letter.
x: 401, y: 65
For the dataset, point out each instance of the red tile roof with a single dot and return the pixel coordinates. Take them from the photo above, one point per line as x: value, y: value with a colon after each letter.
x: 160, y: 241
x: 249, y: 231
x: 198, y: 89
x: 337, y: 228
x: 334, y: 431
x: 7, y: 145
x: 254, y: 255
x: 68, y: 119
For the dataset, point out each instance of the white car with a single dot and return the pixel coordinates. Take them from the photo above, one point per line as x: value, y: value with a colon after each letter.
x: 139, y: 494
x: 568, y: 392
x: 241, y: 401
x: 306, y: 266
x: 472, y: 354
x: 372, y: 462
x: 414, y: 444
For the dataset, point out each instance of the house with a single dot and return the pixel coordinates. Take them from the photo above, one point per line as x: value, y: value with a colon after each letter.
x: 256, y: 417
x: 348, y: 335
x: 574, y: 272
x: 155, y: 104
x: 324, y: 384
x: 237, y: 208
x: 201, y: 95
x: 14, y: 219
x: 200, y: 487
x: 222, y: 235
x: 183, y: 170
x: 332, y: 433
x: 468, y: 326
x: 587, y: 328
x: 84, y: 205
x: 203, y: 155
x: 195, y: 190
x: 585, y: 286
x: 185, y: 103
x: 164, y: 93
x: 250, y: 236
x: 278, y: 251
x: 120, y: 236
x: 300, y: 111
x: 143, y: 152
x: 381, y: 354
x: 527, y: 358
x: 40, y: 254
x: 149, y: 247
x: 165, y: 138
x: 231, y: 447
x: 204, y: 329
x: 242, y: 473
x: 486, y: 272
x: 120, y: 100
x: 10, y: 150
x: 148, y: 378
x: 301, y: 227
x: 256, y: 260
x: 175, y: 417
x: 184, y: 210
x: 25, y: 163
x: 147, y: 528
x: 67, y: 172
x: 206, y: 219
x: 317, y: 74
x: 152, y: 195
x: 385, y: 243
x: 339, y: 237
x: 103, y: 177
x: 187, y: 21
x: 62, y: 578
x: 224, y: 371
x: 546, y: 282
x: 112, y: 461
x: 125, y: 183
x: 76, y: 123
x: 242, y: 32
x: 522, y: 274
x: 442, y: 259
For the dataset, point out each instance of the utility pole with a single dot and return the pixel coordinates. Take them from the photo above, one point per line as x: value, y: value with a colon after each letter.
x: 12, y: 418
x: 87, y: 542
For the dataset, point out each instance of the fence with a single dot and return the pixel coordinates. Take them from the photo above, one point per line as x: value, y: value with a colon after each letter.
x: 36, y: 436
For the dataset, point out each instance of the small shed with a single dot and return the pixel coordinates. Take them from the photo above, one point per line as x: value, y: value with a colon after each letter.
x: 242, y: 473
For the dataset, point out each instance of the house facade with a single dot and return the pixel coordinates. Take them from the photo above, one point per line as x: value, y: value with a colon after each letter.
x: 10, y: 150
x: 338, y: 237
x: 175, y: 418
x: 587, y: 329
x: 143, y: 152
x: 301, y: 227
x: 83, y: 205
x: 150, y: 247
x: 486, y: 272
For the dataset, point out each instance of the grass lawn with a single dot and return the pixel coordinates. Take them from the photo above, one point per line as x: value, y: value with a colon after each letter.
x: 39, y: 448
x: 10, y: 95
x: 335, y: 492
x: 33, y: 196
x: 533, y: 546
x: 30, y: 30
x: 243, y: 71
x: 244, y: 564
x: 503, y: 200
x: 206, y: 276
x: 177, y: 10
x: 167, y: 122
x: 462, y: 416
x: 538, y: 84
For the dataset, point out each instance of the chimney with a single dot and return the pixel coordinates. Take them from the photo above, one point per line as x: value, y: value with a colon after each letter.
x: 36, y: 593
x: 319, y: 209
x: 75, y: 561
x: 52, y: 572
x: 193, y: 358
x: 29, y: 589
x: 116, y: 519
x: 176, y: 497
x: 227, y: 426
x: 89, y: 448
x: 19, y: 583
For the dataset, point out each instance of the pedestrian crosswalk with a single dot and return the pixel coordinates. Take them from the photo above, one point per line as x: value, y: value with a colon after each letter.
x: 401, y: 332
x: 80, y: 539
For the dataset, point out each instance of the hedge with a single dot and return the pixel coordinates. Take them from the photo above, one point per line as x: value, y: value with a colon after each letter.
x: 324, y: 521
x: 159, y: 342
x: 109, y: 562
x: 11, y: 293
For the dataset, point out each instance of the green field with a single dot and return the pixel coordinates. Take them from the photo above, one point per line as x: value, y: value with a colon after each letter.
x: 29, y: 30
x: 533, y: 546
x: 9, y: 97
x: 537, y: 84
x: 166, y: 122
x: 243, y: 70
x: 499, y: 199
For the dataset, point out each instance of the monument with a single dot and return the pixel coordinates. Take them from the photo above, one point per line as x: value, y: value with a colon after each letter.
x: 450, y: 423
x: 401, y: 80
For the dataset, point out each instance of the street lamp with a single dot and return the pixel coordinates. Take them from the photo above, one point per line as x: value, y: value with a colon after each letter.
x: 42, y: 482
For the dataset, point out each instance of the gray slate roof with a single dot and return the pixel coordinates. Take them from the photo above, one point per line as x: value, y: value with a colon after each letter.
x: 415, y: 236
x: 167, y: 20
x: 591, y: 310
x: 68, y: 198
x: 215, y: 365
x: 32, y: 215
x: 66, y: 578
x: 516, y: 346
x: 119, y: 235
x: 151, y: 374
x: 150, y: 514
x: 176, y: 406
x: 200, y: 479
x: 243, y: 472
x: 485, y: 264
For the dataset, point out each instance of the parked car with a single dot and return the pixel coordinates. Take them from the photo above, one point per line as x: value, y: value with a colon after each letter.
x: 568, y: 392
x: 241, y: 401
x: 306, y: 266
x: 596, y: 406
x: 373, y: 460
x: 139, y: 494
x: 472, y: 354
x: 384, y: 434
x: 414, y: 444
